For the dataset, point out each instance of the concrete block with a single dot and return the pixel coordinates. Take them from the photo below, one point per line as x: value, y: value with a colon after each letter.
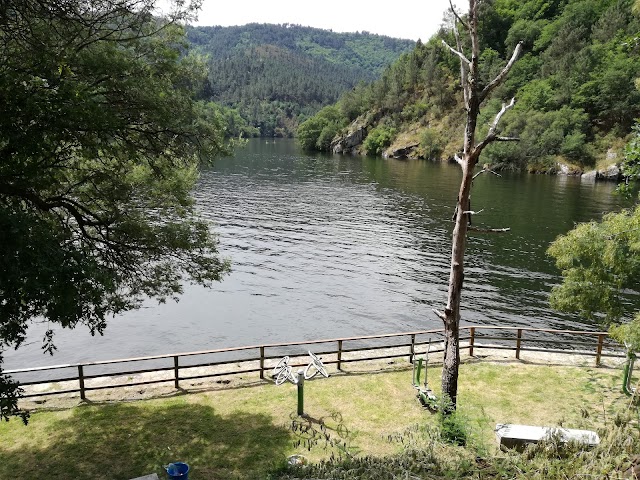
x: 519, y: 436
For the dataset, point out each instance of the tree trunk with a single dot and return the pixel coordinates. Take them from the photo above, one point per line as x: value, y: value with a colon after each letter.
x: 473, y: 97
x: 456, y: 278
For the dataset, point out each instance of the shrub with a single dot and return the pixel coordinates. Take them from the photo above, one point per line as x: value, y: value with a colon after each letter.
x: 378, y: 139
x: 430, y: 145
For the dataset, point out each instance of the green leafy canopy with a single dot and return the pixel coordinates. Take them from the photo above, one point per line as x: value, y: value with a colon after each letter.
x: 600, y: 263
x: 100, y: 142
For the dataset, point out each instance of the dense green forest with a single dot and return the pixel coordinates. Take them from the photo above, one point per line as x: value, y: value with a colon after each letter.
x: 274, y: 76
x: 574, y: 85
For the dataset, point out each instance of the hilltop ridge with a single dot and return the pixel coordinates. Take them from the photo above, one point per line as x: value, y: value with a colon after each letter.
x: 278, y: 75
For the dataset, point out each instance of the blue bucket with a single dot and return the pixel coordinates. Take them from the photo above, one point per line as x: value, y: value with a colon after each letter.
x: 178, y: 471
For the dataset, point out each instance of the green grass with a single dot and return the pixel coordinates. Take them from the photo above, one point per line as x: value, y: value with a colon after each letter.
x: 246, y: 432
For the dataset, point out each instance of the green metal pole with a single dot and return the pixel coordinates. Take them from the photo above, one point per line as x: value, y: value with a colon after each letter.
x: 419, y: 371
x: 300, y: 392
x: 627, y: 372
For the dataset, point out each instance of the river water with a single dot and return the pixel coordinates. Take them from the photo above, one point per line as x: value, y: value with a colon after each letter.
x: 329, y: 246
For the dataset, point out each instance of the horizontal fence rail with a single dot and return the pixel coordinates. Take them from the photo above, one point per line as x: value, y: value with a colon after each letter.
x: 342, y: 350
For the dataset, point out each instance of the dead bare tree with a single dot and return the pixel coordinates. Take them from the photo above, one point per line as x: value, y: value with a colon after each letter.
x: 474, y: 96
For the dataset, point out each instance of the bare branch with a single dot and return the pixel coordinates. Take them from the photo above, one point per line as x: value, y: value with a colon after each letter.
x: 485, y: 170
x: 457, y: 159
x: 471, y: 212
x: 488, y: 230
x: 503, y: 110
x: 492, y: 136
x: 439, y: 314
x: 473, y: 36
x: 455, y: 14
x: 464, y: 71
x: 506, y: 139
x: 500, y: 77
x: 459, y: 54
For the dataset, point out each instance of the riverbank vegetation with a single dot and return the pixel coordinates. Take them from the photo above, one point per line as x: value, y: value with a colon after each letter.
x: 362, y: 424
x: 576, y: 99
x: 275, y: 76
x: 100, y: 143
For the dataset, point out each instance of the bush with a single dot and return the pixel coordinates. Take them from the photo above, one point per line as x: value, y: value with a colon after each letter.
x: 327, y: 134
x: 431, y: 146
x: 317, y: 132
x: 378, y: 139
x: 309, y: 131
x: 454, y: 428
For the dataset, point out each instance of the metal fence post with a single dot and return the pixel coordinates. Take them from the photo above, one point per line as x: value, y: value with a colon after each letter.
x: 339, y: 354
x: 300, y: 392
x: 81, y: 382
x: 176, y: 372
x: 518, y: 343
x: 412, y: 349
x: 472, y: 337
x: 599, y: 349
x: 262, y: 363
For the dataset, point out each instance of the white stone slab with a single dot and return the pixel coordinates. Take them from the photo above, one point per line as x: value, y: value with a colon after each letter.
x: 151, y: 476
x: 518, y: 436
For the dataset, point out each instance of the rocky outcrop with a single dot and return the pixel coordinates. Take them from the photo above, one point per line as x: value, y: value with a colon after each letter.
x: 564, y: 169
x: 402, y: 153
x: 356, y: 133
x: 612, y: 174
x: 589, y: 176
x: 349, y: 142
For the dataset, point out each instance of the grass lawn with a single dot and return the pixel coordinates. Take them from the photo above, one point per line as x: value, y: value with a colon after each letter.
x: 246, y: 432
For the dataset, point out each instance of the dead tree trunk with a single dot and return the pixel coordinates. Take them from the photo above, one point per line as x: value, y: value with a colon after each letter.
x: 473, y: 98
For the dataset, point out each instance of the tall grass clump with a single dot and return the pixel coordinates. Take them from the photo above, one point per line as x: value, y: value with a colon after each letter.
x: 436, y: 452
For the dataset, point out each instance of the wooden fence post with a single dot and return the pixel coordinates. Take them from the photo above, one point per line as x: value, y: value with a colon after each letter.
x: 518, y: 343
x: 81, y: 382
x: 472, y: 336
x: 262, y: 363
x: 339, y: 354
x: 412, y: 349
x: 176, y: 372
x: 599, y: 349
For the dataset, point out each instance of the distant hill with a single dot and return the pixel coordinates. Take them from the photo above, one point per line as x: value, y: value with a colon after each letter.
x: 574, y: 85
x: 275, y: 76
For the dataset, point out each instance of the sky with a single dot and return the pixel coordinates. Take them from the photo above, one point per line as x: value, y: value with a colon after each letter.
x: 411, y: 19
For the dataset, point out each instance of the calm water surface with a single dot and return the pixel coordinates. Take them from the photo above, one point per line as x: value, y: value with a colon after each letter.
x: 329, y: 246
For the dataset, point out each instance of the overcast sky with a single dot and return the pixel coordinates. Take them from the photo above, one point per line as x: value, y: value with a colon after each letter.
x: 411, y: 19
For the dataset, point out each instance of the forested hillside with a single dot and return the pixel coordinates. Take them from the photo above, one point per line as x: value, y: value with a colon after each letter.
x: 574, y: 85
x: 277, y: 75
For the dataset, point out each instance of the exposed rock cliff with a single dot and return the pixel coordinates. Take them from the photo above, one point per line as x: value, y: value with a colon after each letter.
x: 351, y: 141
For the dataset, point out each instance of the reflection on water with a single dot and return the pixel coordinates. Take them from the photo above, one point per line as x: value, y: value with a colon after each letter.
x: 330, y: 246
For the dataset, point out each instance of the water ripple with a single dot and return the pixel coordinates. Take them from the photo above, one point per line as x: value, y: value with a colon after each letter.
x: 337, y: 246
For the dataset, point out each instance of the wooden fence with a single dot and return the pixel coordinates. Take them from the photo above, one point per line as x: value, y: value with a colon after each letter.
x: 342, y: 350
